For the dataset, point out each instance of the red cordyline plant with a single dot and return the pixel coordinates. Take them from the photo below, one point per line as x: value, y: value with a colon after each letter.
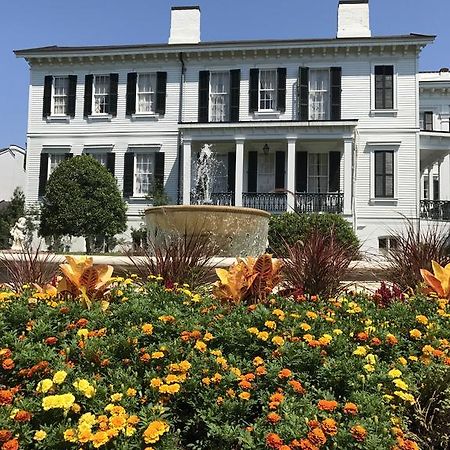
x: 318, y: 264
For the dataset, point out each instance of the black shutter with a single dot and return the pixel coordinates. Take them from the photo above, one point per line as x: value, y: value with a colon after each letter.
x: 252, y: 181
x: 279, y: 170
x: 301, y: 172
x: 303, y: 94
x: 113, y: 88
x: 281, y: 93
x: 334, y: 181
x: 235, y: 89
x: 203, y: 96
x: 231, y: 171
x: 128, y: 175
x: 68, y: 155
x: 43, y: 174
x: 336, y: 89
x: 254, y: 90
x: 161, y: 90
x: 159, y: 170
x: 72, y: 95
x: 88, y: 81
x: 47, y: 105
x: 131, y: 93
x: 111, y: 162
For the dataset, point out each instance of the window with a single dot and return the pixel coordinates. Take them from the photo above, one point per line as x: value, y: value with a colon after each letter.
x: 319, y: 94
x: 101, y: 94
x: 100, y: 157
x: 143, y: 173
x: 384, y: 174
x: 267, y: 90
x: 145, y: 92
x: 219, y: 96
x: 426, y: 190
x: 387, y: 243
x: 318, y: 172
x: 384, y: 87
x: 428, y: 121
x: 60, y: 95
x: 54, y: 160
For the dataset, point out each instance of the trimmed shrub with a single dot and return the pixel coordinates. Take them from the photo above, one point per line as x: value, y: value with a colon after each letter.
x: 288, y: 228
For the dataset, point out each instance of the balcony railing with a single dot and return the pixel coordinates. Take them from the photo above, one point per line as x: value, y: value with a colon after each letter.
x: 435, y: 210
x: 313, y: 203
x: 275, y: 202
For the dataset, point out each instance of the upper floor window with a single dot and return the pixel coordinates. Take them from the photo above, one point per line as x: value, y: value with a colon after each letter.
x: 101, y: 94
x: 319, y: 94
x: 59, y: 96
x: 384, y: 174
x: 145, y: 92
x: 219, y: 96
x: 267, y: 90
x: 384, y: 87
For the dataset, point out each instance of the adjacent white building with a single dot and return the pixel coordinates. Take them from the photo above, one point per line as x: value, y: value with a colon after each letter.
x: 316, y: 125
x: 12, y: 171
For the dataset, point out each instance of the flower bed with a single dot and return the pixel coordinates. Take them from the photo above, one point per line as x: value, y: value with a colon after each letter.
x: 168, y: 369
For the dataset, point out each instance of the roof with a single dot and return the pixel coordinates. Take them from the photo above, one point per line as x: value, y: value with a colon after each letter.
x: 12, y: 148
x: 59, y: 50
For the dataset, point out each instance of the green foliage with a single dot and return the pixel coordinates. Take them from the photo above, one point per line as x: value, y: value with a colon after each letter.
x: 292, y: 227
x: 158, y: 195
x: 10, y: 215
x: 82, y: 199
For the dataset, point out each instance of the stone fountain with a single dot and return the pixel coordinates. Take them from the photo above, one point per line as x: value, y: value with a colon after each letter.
x: 234, y: 231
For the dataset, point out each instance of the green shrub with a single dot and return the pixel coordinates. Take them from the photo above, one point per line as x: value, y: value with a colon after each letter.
x: 291, y: 227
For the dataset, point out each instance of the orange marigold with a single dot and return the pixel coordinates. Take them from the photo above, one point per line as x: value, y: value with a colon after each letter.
x: 6, y: 397
x: 297, y: 386
x: 317, y: 436
x: 273, y: 417
x: 329, y: 426
x: 284, y: 373
x: 5, y: 435
x: 274, y: 441
x: 359, y: 433
x: 350, y: 408
x: 327, y: 405
x: 13, y: 444
x: 8, y: 364
x: 22, y: 416
x: 306, y: 444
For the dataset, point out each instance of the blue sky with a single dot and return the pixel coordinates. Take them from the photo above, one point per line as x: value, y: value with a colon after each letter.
x: 31, y: 23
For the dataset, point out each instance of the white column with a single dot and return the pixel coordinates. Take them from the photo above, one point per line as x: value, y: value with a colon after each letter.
x: 239, y: 176
x: 348, y: 176
x: 291, y: 143
x: 430, y: 183
x: 444, y: 178
x: 187, y: 155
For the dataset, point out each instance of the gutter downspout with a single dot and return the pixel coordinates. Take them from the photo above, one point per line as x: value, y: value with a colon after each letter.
x: 180, y: 120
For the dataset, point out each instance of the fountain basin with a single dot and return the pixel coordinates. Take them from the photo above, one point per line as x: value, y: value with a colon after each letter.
x: 234, y: 231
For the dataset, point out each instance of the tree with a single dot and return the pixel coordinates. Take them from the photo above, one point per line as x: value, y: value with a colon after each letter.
x: 82, y: 199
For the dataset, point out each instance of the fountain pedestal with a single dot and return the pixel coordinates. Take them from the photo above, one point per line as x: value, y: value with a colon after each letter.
x: 234, y: 231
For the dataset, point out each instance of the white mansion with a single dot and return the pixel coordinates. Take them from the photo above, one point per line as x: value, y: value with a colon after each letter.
x: 345, y: 125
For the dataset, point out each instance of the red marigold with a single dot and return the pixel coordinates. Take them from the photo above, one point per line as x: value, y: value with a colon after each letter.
x: 350, y: 408
x: 5, y: 435
x: 6, y: 397
x: 359, y: 433
x: 375, y: 341
x: 273, y: 417
x: 317, y: 436
x: 8, y: 364
x: 297, y: 386
x: 13, y: 444
x: 52, y: 340
x: 391, y: 339
x: 313, y: 423
x: 329, y: 426
x: 362, y: 336
x: 22, y: 416
x: 244, y: 384
x: 327, y: 405
x: 274, y: 441
x: 284, y: 373
x: 82, y: 323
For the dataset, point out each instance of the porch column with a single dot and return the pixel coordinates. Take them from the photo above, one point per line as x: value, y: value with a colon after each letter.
x: 348, y: 176
x: 430, y: 183
x: 444, y: 178
x: 239, y: 178
x: 187, y: 155
x: 291, y: 144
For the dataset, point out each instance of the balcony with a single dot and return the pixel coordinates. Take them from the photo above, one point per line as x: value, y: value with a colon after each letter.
x: 314, y: 203
x: 274, y: 202
x: 435, y: 210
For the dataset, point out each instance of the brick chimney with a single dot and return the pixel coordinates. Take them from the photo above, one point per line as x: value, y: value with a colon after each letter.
x: 353, y: 19
x: 185, y: 25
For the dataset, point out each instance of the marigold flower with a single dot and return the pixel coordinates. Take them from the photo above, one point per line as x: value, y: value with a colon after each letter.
x: 306, y: 444
x: 261, y: 370
x: 244, y: 384
x: 154, y: 431
x: 400, y: 384
x: 415, y: 334
x: 263, y: 335
x: 391, y: 339
x: 59, y: 377
x: 423, y: 320
x: 40, y: 435
x: 327, y: 405
x: 5, y: 435
x: 131, y: 392
x: 329, y: 426
x: 12, y: 444
x: 70, y: 435
x: 8, y: 364
x: 359, y: 433
x: 317, y: 437
x: 278, y: 340
x: 22, y: 416
x: 360, y: 351
x: 273, y: 417
x: 63, y: 401
x: 147, y: 328
x: 200, y: 346
x: 284, y: 373
x: 270, y: 324
x: 6, y: 397
x: 44, y: 385
x: 351, y: 409
x: 297, y: 386
x: 244, y: 395
x: 274, y: 441
x: 99, y: 438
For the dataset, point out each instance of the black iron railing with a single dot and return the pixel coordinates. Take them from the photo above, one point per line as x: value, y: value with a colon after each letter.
x: 435, y: 210
x: 268, y: 201
x: 312, y: 203
x: 217, y: 198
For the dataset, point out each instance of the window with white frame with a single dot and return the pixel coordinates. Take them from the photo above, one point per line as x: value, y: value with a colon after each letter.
x: 144, y: 173
x: 267, y: 90
x: 318, y: 173
x: 145, y: 93
x: 60, y: 95
x: 54, y: 159
x: 384, y: 174
x: 319, y: 94
x: 219, y: 96
x: 101, y: 94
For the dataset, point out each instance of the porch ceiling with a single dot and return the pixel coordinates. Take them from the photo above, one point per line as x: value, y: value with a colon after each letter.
x: 435, y: 141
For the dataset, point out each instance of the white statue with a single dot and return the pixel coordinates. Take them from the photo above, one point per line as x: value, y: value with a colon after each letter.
x: 18, y: 233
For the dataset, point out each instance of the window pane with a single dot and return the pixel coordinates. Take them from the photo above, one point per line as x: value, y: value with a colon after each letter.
x: 267, y: 90
x: 101, y: 94
x: 219, y: 96
x: 319, y: 94
x: 55, y: 160
x: 144, y: 173
x: 146, y: 88
x: 318, y: 173
x: 60, y: 92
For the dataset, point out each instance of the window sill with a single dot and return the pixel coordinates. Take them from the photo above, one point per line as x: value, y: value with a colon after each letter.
x: 65, y: 119
x: 145, y: 116
x: 266, y: 114
x: 383, y: 200
x: 384, y: 112
x: 100, y: 118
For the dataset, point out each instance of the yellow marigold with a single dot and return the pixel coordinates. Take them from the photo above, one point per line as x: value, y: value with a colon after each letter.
x: 400, y: 384
x: 83, y: 333
x: 337, y: 332
x: 244, y: 395
x: 271, y: 324
x: 395, y: 373
x: 405, y: 396
x: 263, y: 335
x: 311, y: 315
x: 200, y: 346
x: 413, y: 358
x: 118, y: 422
x: 402, y: 361
x: 305, y: 327
x: 253, y: 330
x: 423, y: 320
x: 131, y: 392
x: 369, y: 368
x: 154, y: 431
x: 99, y: 438
x: 360, y: 351
x: 157, y: 355
x: 63, y: 401
x: 40, y: 435
x: 208, y: 337
x: 185, y: 366
x: 59, y: 377
x: 130, y: 431
x: 278, y: 340
x: 235, y: 371
x: 222, y: 362
x: 325, y: 339
x: 70, y: 435
x: 147, y: 328
x: 258, y: 361
x: 279, y: 313
x: 427, y: 350
x: 116, y: 397
x: 167, y: 319
x: 415, y: 334
x: 44, y: 386
x: 88, y: 419
x: 156, y: 382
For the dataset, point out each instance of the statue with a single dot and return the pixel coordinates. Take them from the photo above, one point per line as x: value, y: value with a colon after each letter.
x: 205, y: 168
x: 18, y: 233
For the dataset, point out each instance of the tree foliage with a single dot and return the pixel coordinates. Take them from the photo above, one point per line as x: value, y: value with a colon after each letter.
x: 82, y: 199
x: 9, y: 216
